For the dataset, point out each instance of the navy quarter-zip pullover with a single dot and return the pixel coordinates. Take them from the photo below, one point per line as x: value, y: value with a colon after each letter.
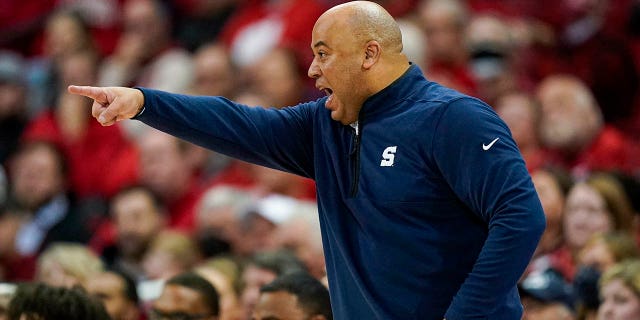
x: 426, y: 207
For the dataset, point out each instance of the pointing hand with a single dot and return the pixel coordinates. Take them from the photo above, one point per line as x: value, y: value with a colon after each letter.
x: 111, y: 104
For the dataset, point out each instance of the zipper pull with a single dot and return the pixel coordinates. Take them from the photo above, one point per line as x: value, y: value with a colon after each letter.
x: 355, y: 138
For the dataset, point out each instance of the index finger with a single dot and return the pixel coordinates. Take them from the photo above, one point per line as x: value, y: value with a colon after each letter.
x: 95, y: 93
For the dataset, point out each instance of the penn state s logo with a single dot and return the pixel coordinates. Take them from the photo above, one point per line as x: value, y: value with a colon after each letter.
x: 388, y: 156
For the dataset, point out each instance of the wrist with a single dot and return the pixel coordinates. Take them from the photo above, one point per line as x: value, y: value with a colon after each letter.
x: 140, y: 103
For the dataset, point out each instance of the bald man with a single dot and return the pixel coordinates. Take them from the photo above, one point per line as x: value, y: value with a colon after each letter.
x: 425, y: 205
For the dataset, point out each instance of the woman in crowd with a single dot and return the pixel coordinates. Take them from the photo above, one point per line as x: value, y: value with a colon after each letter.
x: 596, y: 205
x: 620, y: 292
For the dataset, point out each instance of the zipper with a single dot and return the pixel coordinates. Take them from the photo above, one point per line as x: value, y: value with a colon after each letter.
x: 355, y: 159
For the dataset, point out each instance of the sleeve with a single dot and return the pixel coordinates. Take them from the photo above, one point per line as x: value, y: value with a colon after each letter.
x: 478, y: 158
x: 276, y: 138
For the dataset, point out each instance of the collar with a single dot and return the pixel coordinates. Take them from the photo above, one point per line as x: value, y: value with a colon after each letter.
x: 396, y: 91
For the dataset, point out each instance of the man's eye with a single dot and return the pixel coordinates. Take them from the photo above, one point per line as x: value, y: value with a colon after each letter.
x: 322, y: 54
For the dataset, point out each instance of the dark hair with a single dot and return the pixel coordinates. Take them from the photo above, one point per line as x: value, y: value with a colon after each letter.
x: 30, y: 145
x: 195, y: 282
x: 155, y: 198
x: 43, y: 302
x: 313, y: 297
x: 280, y: 262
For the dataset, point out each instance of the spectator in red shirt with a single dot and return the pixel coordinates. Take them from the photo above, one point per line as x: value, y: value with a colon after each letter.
x: 572, y: 127
x: 595, y: 206
x: 444, y: 23
x: 69, y: 126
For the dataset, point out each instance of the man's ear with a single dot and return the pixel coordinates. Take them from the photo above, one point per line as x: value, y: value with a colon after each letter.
x: 372, y: 53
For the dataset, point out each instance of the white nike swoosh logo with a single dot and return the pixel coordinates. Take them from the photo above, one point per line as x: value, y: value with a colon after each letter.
x: 488, y: 146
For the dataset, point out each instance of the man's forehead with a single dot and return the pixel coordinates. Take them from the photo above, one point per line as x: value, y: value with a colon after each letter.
x: 319, y: 32
x: 325, y: 33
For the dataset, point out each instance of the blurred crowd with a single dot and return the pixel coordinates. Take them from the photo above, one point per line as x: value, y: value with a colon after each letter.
x: 132, y: 216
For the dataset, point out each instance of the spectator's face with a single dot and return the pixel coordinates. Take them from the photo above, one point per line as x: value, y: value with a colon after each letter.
x: 213, y: 73
x: 109, y: 288
x: 258, y: 234
x: 160, y: 264
x: 143, y: 23
x: 568, y: 118
x: 254, y: 278
x: 585, y: 215
x: 444, y: 35
x: 12, y: 99
x: 517, y: 112
x: 337, y: 67
x: 298, y: 237
x: 280, y: 305
x: 276, y: 77
x: 36, y: 176
x: 162, y: 165
x: 229, y: 304
x: 63, y: 35
x: 176, y: 301
x: 137, y: 222
x: 223, y: 222
x: 619, y: 302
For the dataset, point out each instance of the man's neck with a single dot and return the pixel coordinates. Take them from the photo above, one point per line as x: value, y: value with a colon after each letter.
x: 388, y: 73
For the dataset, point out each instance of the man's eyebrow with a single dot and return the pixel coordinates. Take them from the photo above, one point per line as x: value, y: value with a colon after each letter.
x: 320, y: 43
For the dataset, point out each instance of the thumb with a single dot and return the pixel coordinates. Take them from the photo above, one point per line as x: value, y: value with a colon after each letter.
x: 109, y: 115
x: 95, y: 93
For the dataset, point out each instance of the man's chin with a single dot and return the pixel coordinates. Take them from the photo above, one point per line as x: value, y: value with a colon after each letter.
x: 339, y: 112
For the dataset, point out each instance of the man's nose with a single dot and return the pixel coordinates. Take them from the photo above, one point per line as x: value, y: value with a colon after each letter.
x: 314, y: 71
